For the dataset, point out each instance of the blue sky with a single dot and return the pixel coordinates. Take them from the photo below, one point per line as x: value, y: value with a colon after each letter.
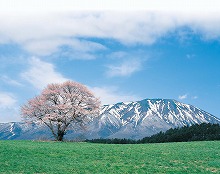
x: 125, y: 54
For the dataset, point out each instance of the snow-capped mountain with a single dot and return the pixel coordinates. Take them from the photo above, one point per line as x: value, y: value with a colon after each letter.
x: 23, y: 131
x: 133, y: 120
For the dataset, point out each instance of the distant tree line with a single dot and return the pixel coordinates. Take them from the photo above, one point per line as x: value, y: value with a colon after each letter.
x: 113, y: 141
x: 197, y: 132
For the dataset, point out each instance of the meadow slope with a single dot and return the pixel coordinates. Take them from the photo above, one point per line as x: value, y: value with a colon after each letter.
x: 67, y: 157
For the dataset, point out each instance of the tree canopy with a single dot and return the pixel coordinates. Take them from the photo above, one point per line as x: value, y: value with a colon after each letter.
x: 59, y: 105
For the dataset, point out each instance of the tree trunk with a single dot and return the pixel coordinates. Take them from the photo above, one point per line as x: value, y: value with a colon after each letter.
x: 60, y: 135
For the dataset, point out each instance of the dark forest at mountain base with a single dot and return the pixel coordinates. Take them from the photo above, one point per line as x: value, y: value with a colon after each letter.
x: 196, y: 132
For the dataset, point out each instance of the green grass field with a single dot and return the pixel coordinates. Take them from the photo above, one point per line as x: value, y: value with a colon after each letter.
x: 56, y: 157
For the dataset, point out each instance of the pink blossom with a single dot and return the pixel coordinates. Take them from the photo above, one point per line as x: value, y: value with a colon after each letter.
x: 59, y: 105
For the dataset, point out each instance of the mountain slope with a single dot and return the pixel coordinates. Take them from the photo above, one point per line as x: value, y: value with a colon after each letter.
x: 133, y: 120
x: 143, y: 118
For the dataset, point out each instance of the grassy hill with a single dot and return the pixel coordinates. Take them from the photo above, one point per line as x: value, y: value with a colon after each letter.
x: 58, y: 157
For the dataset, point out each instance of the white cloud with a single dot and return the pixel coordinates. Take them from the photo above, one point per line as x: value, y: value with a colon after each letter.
x: 126, y: 68
x: 111, y: 95
x: 33, y: 6
x: 43, y: 32
x: 41, y: 73
x: 7, y: 100
x: 182, y: 97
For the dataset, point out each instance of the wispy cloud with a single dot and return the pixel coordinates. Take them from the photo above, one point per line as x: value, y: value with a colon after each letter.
x: 81, y: 49
x: 111, y: 95
x: 195, y: 97
x: 10, y: 81
x: 45, y: 47
x: 187, y: 96
x: 125, y: 68
x: 7, y: 100
x: 190, y: 56
x: 9, y: 109
x: 41, y: 73
x: 118, y: 55
x: 182, y: 97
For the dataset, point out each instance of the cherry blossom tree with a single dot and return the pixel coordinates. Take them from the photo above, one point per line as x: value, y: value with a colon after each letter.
x: 60, y: 105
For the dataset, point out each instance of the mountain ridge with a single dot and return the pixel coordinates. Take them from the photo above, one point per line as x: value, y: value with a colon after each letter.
x: 133, y: 120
